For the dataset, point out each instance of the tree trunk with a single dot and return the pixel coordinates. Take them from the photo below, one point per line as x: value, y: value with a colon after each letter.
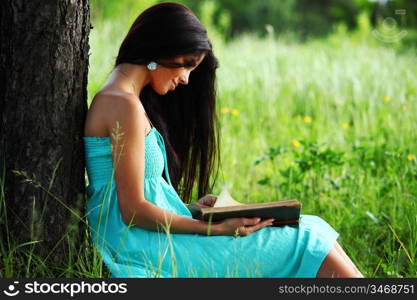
x: 43, y: 101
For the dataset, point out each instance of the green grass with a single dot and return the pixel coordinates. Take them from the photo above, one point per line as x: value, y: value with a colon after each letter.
x: 328, y: 122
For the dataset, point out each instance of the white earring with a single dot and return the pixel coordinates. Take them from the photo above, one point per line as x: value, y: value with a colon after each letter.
x: 152, y: 65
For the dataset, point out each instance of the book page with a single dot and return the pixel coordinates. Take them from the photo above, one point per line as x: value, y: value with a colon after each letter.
x: 224, y: 199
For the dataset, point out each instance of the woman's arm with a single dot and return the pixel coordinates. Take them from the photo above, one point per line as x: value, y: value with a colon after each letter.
x: 151, y: 217
x: 128, y: 154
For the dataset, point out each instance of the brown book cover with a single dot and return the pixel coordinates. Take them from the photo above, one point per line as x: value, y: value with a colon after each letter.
x: 285, y: 212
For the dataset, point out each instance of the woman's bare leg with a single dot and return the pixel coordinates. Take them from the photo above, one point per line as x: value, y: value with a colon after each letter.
x: 338, y: 264
x: 347, y: 258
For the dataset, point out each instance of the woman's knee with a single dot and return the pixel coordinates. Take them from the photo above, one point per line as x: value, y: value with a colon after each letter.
x: 335, y: 265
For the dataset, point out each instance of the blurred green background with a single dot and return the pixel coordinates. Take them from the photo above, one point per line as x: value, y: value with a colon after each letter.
x: 391, y: 24
x: 305, y: 18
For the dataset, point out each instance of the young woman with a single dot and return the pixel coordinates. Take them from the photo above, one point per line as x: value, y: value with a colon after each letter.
x: 157, y: 109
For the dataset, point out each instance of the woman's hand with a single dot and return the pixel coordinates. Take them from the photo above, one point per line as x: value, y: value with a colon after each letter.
x: 207, y: 200
x: 240, y: 226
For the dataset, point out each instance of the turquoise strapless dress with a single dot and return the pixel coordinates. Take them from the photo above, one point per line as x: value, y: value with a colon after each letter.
x: 130, y: 251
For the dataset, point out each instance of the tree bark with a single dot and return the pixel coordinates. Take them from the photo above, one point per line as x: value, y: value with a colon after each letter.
x: 43, y: 100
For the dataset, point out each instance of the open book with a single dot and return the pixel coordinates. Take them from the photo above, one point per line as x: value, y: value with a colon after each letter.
x: 284, y: 211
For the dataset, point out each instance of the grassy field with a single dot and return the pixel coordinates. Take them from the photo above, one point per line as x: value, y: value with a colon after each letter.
x: 329, y: 122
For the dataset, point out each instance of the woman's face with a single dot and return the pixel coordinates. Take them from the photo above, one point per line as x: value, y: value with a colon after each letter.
x: 165, y: 79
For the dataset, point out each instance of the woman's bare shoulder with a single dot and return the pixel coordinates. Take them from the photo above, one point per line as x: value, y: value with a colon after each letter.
x: 109, y: 107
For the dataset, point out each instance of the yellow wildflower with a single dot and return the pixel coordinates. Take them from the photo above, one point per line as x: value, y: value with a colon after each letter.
x: 345, y: 125
x: 404, y: 107
x: 307, y: 119
x: 235, y: 112
x: 296, y: 143
x: 410, y: 157
x: 225, y: 110
x: 387, y: 98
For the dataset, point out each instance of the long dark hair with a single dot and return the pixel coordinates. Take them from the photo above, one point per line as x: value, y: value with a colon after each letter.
x: 186, y: 117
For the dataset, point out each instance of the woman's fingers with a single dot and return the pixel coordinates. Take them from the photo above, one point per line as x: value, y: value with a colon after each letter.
x: 250, y: 221
x: 208, y: 200
x: 253, y: 224
x: 211, y: 200
x: 264, y: 223
x: 242, y: 226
